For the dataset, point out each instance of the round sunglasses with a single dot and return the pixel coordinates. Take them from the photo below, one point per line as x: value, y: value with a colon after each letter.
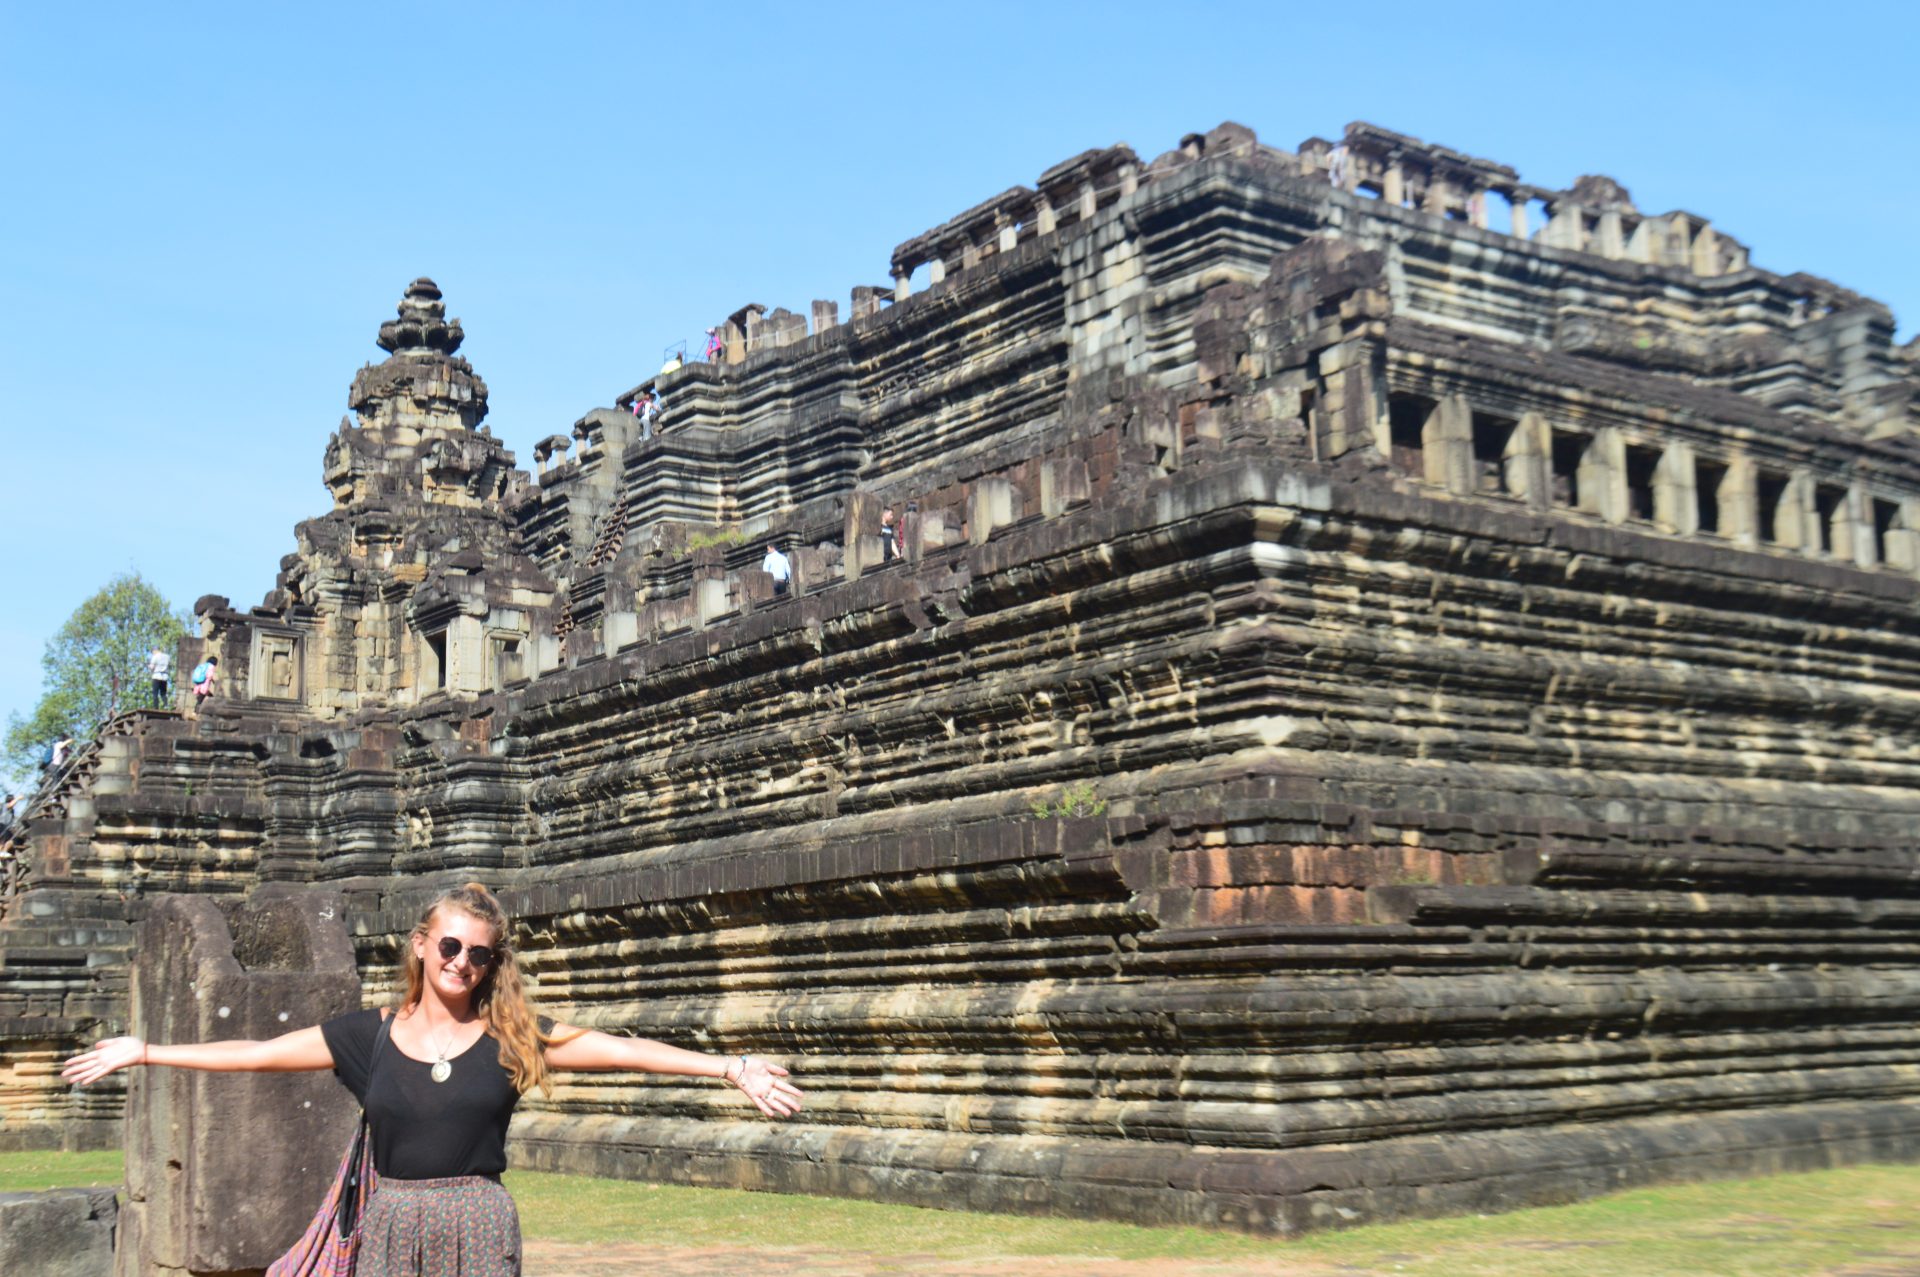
x: 478, y: 955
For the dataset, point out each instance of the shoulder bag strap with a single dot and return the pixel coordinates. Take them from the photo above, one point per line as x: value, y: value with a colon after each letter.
x: 360, y: 1162
x: 379, y: 1048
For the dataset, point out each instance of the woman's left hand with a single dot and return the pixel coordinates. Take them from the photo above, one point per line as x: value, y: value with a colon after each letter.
x: 765, y: 1083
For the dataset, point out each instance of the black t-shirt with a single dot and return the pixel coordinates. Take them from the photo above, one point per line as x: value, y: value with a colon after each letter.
x: 423, y: 1129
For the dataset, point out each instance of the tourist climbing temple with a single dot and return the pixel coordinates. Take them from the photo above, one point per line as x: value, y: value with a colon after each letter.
x: 1399, y: 692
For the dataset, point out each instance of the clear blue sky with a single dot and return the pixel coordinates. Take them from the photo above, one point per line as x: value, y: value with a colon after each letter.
x: 208, y: 211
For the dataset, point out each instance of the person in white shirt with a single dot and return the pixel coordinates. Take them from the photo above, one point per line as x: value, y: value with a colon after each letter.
x: 157, y: 665
x: 777, y: 566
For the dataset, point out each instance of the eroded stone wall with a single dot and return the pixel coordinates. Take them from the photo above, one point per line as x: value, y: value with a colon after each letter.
x: 1374, y: 714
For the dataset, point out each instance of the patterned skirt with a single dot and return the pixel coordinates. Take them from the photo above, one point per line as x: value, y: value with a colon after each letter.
x: 460, y: 1227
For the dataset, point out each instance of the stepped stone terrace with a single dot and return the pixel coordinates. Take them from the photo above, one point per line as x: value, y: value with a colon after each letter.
x: 1399, y: 692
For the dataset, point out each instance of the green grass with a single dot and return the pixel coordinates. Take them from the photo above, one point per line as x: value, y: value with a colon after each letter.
x: 563, y: 1208
x: 32, y: 1172
x: 1775, y: 1227
x: 1783, y: 1226
x: 1788, y: 1224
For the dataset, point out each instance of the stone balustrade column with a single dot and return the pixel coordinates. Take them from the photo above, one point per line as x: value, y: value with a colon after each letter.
x: 993, y: 503
x: 1676, y: 498
x: 1858, y: 543
x: 1530, y: 461
x: 1740, y: 503
x: 1903, y: 552
x: 1609, y: 241
x: 862, y: 546
x: 1566, y: 225
x: 1705, y: 252
x: 1797, y: 521
x: 1448, y: 446
x: 1605, y: 472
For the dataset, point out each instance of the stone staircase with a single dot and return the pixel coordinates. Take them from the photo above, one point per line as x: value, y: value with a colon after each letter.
x: 54, y: 801
x: 63, y: 953
x: 607, y: 541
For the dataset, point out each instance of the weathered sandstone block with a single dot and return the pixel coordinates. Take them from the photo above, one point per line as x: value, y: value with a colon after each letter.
x: 225, y: 1169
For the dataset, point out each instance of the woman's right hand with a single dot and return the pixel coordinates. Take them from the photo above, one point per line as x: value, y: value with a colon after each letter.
x: 104, y: 1058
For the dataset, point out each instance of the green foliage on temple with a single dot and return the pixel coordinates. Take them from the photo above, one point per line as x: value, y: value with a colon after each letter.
x: 721, y: 536
x: 1078, y: 799
x: 95, y: 665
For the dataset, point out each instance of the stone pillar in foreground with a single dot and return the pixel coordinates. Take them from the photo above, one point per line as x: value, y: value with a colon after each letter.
x: 225, y: 1169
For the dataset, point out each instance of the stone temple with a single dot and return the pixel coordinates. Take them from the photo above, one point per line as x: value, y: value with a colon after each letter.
x: 1400, y: 693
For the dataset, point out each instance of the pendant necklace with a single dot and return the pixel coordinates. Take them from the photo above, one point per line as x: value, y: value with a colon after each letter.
x: 442, y: 1067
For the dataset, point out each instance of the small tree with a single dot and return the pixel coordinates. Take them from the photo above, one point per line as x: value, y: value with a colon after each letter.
x: 106, y: 639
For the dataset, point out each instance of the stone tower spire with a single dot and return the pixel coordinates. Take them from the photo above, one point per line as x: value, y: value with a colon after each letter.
x: 422, y: 327
x: 423, y: 385
x: 398, y: 591
x: 415, y: 432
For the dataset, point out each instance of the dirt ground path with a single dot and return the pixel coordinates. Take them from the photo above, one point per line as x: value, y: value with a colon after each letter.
x: 563, y: 1259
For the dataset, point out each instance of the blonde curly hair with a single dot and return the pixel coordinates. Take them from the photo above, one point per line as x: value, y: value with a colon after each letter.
x: 500, y: 997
